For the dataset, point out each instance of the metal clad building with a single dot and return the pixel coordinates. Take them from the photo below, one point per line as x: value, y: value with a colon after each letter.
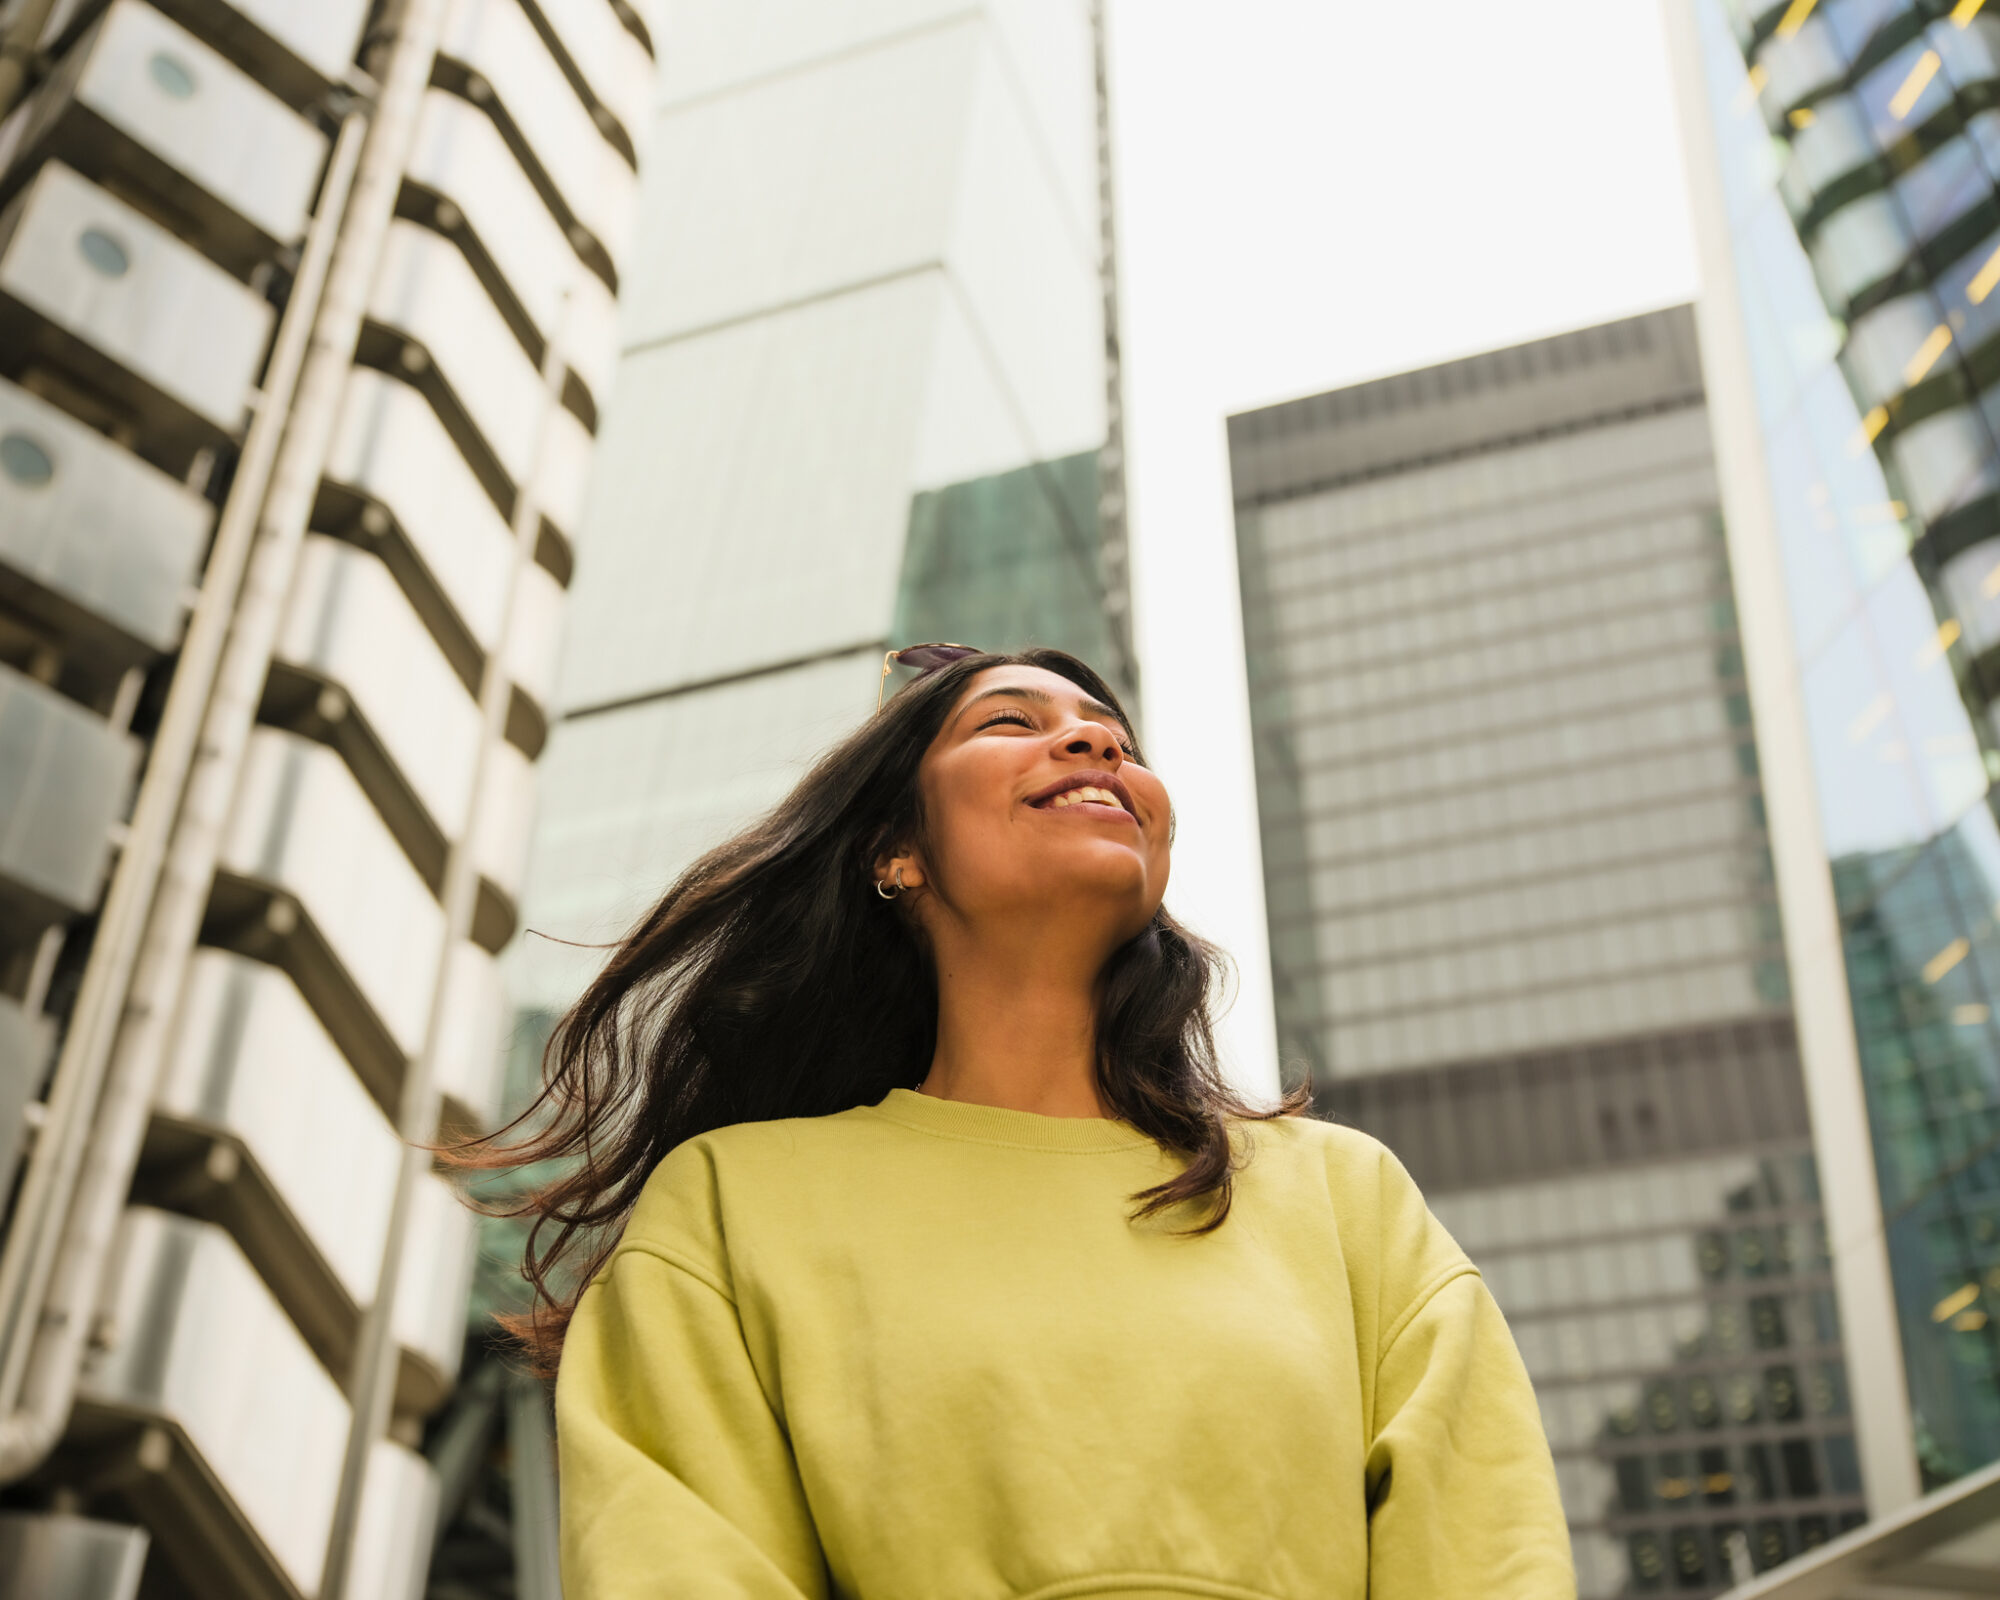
x: 306, y: 320
x: 1523, y: 926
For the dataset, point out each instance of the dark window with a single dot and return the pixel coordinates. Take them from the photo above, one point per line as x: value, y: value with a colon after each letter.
x: 1649, y: 1562
x: 1843, y: 1471
x: 1690, y: 1558
x: 1801, y: 1470
x: 1781, y: 1394
x: 1703, y: 1408
x: 1826, y: 1390
x: 1718, y: 1483
x: 1760, y: 1480
x: 1742, y: 1389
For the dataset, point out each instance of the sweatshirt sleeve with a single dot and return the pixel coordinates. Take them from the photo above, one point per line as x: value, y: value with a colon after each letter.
x: 677, y: 1477
x: 1461, y: 1490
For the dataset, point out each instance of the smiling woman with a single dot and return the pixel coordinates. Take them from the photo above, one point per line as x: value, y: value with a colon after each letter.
x: 912, y: 1243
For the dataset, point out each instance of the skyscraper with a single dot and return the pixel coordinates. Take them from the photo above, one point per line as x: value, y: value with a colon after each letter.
x: 870, y: 409
x: 306, y: 317
x: 1523, y: 925
x: 1844, y: 163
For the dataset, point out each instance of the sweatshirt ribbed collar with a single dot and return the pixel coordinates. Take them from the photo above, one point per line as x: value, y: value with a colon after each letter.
x: 1020, y: 1130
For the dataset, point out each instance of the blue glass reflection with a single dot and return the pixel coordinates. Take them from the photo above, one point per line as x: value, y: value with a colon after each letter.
x: 1900, y: 766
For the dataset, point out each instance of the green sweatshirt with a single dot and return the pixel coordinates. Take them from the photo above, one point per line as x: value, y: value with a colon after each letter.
x: 917, y: 1351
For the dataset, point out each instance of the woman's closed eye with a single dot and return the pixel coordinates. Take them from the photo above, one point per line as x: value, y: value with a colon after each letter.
x: 1022, y: 719
x: 1019, y: 717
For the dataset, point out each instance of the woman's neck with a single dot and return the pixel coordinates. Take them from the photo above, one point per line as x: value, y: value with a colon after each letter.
x: 1017, y: 1033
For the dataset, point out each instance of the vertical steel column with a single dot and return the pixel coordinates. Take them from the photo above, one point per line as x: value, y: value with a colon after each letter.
x: 17, y: 49
x: 531, y: 1451
x: 1114, y: 559
x: 377, y: 1355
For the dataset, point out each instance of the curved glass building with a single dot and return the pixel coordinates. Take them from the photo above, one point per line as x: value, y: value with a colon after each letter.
x: 1844, y: 160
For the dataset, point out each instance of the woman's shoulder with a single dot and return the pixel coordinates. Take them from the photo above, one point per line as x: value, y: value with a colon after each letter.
x: 1347, y: 1155
x: 684, y: 1197
x: 1370, y: 1193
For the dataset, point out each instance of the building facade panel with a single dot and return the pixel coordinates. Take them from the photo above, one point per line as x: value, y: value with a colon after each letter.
x: 718, y: 554
x: 805, y: 184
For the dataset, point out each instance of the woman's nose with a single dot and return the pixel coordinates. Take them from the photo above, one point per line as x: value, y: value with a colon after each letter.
x: 1098, y: 742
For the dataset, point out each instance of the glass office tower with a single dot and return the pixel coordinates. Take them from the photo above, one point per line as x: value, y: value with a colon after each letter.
x: 1523, y: 924
x: 862, y: 401
x: 306, y: 317
x: 1844, y: 161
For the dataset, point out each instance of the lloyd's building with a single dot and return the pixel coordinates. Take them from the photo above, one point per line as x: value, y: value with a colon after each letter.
x: 306, y: 323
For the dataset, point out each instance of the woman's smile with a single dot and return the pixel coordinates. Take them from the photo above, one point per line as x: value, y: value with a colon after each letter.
x: 1099, y: 793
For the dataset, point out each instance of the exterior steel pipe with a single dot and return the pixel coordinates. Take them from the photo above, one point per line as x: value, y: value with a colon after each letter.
x: 17, y: 50
x: 374, y: 1387
x: 1114, y: 552
x: 47, y: 1189
x: 139, y: 1032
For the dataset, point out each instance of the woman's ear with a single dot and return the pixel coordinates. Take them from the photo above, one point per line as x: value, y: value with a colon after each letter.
x: 897, y: 870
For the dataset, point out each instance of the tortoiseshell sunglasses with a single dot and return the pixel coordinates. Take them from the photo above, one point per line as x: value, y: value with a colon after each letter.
x: 926, y: 658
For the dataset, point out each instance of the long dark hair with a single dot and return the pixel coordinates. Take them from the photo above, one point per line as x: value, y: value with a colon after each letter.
x: 772, y: 981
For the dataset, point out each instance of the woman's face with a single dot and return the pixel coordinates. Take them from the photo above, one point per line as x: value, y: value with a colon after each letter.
x: 1034, y: 805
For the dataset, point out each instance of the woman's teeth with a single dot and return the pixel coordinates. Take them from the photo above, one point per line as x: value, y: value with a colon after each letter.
x: 1086, y: 795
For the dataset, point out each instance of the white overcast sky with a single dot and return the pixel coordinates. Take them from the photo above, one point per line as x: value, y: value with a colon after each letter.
x: 1315, y: 192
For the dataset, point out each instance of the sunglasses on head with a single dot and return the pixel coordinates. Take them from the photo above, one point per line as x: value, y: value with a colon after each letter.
x: 925, y: 658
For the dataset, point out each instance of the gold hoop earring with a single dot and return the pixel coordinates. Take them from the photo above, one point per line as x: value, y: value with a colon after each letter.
x: 888, y: 893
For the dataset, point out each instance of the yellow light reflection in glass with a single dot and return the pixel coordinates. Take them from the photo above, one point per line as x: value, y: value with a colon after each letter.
x: 1882, y: 511
x: 1965, y: 11
x: 1933, y: 648
x: 1801, y: 118
x: 1985, y: 281
x: 1946, y: 959
x: 1871, y: 425
x: 1969, y: 1321
x: 1918, y: 367
x: 1955, y: 1302
x: 1970, y: 1016
x: 1872, y: 716
x: 1904, y: 100
x: 1795, y: 17
x: 1753, y: 86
